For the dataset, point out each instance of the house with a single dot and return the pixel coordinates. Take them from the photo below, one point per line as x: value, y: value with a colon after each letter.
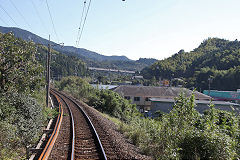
x: 154, y: 99
x: 141, y: 95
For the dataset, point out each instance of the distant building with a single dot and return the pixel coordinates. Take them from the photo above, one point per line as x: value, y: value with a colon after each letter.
x: 152, y: 99
x: 166, y: 105
x: 141, y: 95
x: 100, y: 86
x: 224, y: 95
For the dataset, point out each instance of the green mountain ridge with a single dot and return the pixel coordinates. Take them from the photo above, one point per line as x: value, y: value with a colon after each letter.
x: 215, y: 58
x: 28, y: 36
x: 92, y: 59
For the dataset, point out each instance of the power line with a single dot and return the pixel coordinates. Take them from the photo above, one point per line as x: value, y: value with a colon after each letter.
x: 4, y: 21
x: 41, y: 21
x: 52, y: 21
x: 24, y: 19
x: 8, y: 15
x: 80, y: 24
x: 21, y: 15
x: 89, y: 4
x: 39, y: 17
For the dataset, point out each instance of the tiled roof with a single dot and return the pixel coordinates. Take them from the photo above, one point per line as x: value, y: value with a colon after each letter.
x: 158, y: 92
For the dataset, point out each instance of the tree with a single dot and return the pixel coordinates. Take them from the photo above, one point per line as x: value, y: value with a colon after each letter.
x: 21, y: 117
x: 19, y: 70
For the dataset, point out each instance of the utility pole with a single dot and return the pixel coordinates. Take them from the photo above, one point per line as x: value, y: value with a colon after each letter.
x: 48, y: 72
x: 48, y: 59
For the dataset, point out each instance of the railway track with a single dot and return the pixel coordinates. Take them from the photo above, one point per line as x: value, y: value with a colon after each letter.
x: 77, y: 138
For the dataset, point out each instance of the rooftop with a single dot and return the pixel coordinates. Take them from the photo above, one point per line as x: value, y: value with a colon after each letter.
x: 100, y: 86
x: 157, y: 92
x: 196, y: 101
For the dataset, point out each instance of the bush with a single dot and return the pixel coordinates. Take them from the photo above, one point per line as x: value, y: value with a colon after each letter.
x: 206, y: 145
x: 20, y: 121
x: 113, y: 104
x: 76, y: 86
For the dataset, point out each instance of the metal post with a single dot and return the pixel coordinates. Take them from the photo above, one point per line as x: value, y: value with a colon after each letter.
x: 48, y: 73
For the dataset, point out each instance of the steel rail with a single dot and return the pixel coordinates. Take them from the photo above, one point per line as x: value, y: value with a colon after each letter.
x: 48, y: 148
x: 89, y: 121
x: 72, y: 123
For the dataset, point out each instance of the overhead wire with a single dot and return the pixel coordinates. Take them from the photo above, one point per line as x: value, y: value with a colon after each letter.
x: 54, y: 29
x: 39, y: 17
x: 80, y: 24
x: 89, y: 4
x: 4, y: 21
x: 8, y: 15
x: 21, y: 15
x: 24, y: 19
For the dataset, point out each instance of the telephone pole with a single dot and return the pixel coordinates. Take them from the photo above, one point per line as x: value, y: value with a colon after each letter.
x: 48, y: 72
x: 48, y: 60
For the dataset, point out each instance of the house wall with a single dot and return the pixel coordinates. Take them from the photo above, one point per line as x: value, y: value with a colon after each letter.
x: 142, y: 105
x: 161, y: 106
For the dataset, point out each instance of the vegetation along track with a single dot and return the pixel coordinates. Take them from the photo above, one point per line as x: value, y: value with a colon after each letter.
x: 82, y: 141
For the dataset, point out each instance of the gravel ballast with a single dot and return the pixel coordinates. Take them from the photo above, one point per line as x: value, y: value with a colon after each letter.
x: 122, y: 147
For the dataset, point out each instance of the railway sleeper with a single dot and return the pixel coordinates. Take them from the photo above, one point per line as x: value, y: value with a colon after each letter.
x: 87, y: 156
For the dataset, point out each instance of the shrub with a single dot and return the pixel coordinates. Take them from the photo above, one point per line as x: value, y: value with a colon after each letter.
x: 113, y: 104
x: 76, y: 86
x: 206, y: 145
x: 20, y: 121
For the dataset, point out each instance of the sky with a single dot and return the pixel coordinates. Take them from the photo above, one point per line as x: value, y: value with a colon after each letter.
x: 134, y: 28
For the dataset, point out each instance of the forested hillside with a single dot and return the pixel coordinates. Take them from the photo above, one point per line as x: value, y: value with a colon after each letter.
x: 28, y: 36
x: 91, y: 59
x: 124, y: 65
x: 62, y: 64
x: 215, y: 58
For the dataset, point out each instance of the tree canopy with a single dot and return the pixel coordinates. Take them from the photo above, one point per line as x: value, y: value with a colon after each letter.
x: 61, y: 64
x: 215, y: 58
x: 19, y: 69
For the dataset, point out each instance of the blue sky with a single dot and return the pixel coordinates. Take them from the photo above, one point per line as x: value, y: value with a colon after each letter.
x: 134, y: 28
